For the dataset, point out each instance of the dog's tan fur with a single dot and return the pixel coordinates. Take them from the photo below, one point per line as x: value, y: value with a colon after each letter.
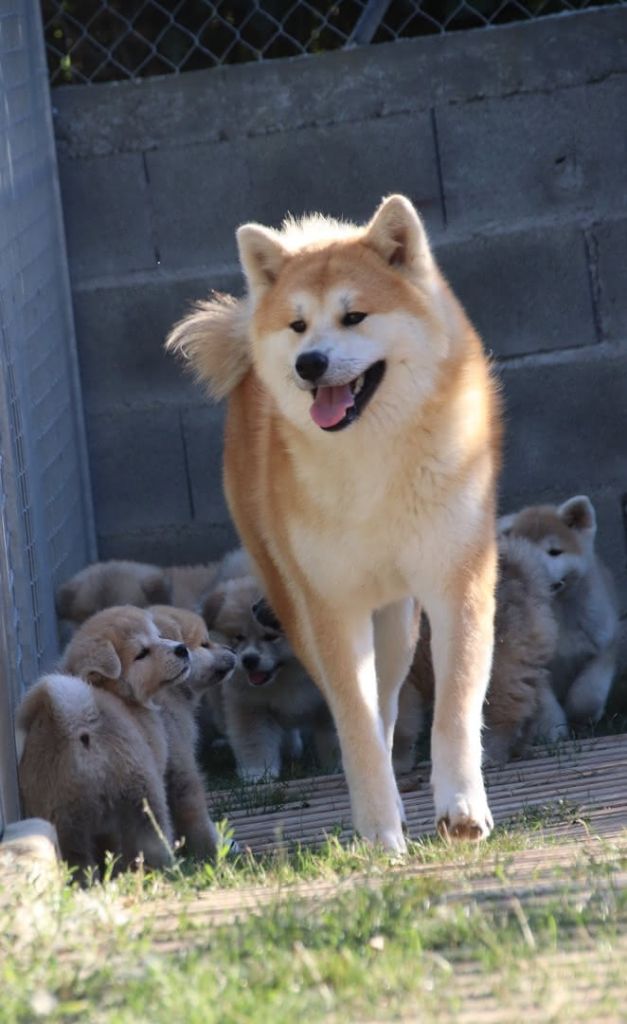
x: 584, y: 602
x: 185, y: 789
x: 263, y: 722
x: 86, y: 766
x: 106, y: 584
x: 348, y: 529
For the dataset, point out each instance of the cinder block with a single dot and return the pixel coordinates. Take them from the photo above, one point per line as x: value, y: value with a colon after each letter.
x: 527, y: 291
x: 611, y: 241
x: 342, y: 170
x: 107, y: 220
x: 120, y: 335
x: 565, y: 429
x: 29, y: 855
x: 171, y: 545
x: 203, y: 431
x: 504, y: 160
x: 137, y: 460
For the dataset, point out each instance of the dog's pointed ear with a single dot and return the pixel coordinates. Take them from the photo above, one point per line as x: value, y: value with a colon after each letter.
x: 261, y: 254
x: 504, y: 525
x: 397, y: 234
x: 157, y: 588
x: 211, y: 605
x: 578, y: 513
x: 92, y: 660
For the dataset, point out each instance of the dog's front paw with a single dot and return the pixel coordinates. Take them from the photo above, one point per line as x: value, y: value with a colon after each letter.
x: 389, y: 835
x: 464, y: 817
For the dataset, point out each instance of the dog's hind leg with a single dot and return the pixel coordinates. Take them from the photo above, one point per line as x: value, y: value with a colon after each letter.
x: 462, y: 626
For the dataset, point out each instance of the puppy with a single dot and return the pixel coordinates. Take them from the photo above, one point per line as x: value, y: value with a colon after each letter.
x: 269, y: 698
x: 85, y: 766
x: 120, y: 651
x: 209, y: 663
x: 106, y: 584
x: 520, y: 706
x: 584, y: 602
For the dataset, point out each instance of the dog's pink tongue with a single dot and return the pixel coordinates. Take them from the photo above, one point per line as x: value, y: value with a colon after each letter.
x: 330, y: 405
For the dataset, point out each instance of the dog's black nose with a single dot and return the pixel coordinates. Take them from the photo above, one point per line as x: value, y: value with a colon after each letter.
x: 250, y: 661
x: 181, y: 651
x: 311, y: 365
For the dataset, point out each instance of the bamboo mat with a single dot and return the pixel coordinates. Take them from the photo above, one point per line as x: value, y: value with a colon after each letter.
x: 572, y: 790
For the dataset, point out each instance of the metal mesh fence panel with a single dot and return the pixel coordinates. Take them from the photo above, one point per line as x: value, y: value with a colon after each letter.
x: 103, y: 40
x: 45, y: 509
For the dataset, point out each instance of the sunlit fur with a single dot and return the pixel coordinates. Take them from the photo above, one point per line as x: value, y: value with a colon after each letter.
x: 348, y: 528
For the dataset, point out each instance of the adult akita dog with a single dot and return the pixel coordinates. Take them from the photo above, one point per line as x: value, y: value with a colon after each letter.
x: 362, y: 445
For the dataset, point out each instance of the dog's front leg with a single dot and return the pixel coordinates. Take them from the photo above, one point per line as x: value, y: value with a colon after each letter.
x: 462, y: 625
x: 345, y: 659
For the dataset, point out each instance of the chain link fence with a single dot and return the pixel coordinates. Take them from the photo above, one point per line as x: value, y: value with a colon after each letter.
x: 46, y: 529
x: 105, y: 40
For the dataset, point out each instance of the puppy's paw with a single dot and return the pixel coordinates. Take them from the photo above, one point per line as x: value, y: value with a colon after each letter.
x: 391, y: 840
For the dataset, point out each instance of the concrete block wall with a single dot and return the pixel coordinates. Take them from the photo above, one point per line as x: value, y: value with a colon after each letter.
x: 511, y: 141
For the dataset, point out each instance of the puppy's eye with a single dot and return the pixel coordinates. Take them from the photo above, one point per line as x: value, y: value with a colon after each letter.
x: 270, y: 636
x: 239, y: 638
x: 555, y: 552
x: 299, y: 326
x: 145, y: 651
x: 350, y: 319
x: 206, y: 645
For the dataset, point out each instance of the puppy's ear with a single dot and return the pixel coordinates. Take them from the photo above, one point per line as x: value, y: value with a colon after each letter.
x: 397, y: 234
x: 92, y: 660
x: 211, y: 606
x: 504, y: 525
x: 64, y: 599
x: 157, y: 588
x: 261, y: 254
x: 578, y: 513
x: 264, y: 615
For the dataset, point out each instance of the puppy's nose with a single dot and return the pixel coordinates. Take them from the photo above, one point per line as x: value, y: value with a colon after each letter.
x: 311, y: 365
x: 250, y: 660
x: 181, y: 651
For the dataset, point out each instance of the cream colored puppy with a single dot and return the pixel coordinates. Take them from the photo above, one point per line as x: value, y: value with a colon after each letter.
x: 120, y: 651
x: 86, y: 766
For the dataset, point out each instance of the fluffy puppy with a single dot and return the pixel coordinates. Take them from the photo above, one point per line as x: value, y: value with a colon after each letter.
x: 210, y: 663
x: 584, y: 602
x: 105, y: 584
x: 520, y: 706
x: 120, y: 651
x: 85, y: 766
x: 268, y: 699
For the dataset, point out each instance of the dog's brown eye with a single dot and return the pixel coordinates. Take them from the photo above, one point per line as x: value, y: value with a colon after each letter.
x: 206, y: 645
x: 299, y: 326
x: 145, y: 651
x: 350, y: 319
x: 239, y: 638
x: 270, y: 636
x: 555, y: 552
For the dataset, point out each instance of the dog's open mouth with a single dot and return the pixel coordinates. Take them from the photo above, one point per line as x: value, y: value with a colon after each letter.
x: 258, y: 678
x: 337, y: 406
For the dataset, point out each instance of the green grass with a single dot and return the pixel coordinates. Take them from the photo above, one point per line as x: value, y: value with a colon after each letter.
x: 392, y: 938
